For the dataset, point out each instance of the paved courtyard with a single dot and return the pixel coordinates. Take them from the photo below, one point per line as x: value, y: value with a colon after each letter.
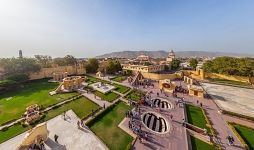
x: 70, y: 137
x: 234, y: 99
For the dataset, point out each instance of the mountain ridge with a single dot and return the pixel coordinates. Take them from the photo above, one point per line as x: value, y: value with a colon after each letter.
x: 164, y: 54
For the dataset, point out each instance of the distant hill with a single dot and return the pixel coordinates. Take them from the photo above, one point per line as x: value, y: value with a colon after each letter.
x: 163, y: 54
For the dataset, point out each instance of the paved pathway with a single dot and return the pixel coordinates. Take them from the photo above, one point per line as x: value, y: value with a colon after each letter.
x: 217, y: 120
x: 96, y: 99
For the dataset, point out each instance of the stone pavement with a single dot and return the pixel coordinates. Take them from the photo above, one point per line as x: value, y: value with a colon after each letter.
x: 176, y: 139
x: 70, y: 137
x: 217, y: 121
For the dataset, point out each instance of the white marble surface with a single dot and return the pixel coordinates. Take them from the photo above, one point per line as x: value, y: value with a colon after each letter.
x: 234, y: 99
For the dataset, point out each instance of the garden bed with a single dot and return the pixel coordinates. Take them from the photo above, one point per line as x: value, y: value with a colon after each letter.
x: 120, y: 78
x: 197, y: 144
x: 135, y: 95
x: 105, y: 126
x: 13, y: 103
x: 111, y: 96
x: 196, y: 117
x: 82, y: 108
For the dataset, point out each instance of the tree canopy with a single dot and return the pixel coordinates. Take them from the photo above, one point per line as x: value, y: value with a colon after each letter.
x: 193, y: 63
x: 67, y: 60
x: 175, y: 64
x: 92, y: 65
x: 44, y: 60
x: 230, y: 66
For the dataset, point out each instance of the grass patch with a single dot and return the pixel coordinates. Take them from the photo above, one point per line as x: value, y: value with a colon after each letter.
x: 106, y: 127
x: 197, y: 144
x: 135, y: 95
x: 246, y: 133
x: 120, y: 78
x: 121, y: 89
x: 14, y: 103
x: 82, y: 107
x: 196, y: 117
x: 110, y: 96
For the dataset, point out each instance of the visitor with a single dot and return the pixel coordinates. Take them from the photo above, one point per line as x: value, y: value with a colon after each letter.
x: 171, y: 116
x: 64, y: 115
x: 104, y: 106
x: 201, y: 104
x: 56, y: 138
x: 78, y: 124
x: 197, y: 101
x: 158, y: 94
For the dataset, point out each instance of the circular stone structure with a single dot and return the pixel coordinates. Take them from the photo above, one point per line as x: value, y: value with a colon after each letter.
x: 161, y: 103
x: 72, y: 82
x: 155, y: 122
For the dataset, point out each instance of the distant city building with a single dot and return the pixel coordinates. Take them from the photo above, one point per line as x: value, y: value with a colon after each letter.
x: 142, y: 68
x: 143, y: 58
x: 171, y: 56
x: 20, y: 54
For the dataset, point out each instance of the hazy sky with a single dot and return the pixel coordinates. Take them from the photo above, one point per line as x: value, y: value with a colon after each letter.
x: 86, y: 28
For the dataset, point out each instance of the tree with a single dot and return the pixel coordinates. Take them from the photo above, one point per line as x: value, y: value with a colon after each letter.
x: 59, y: 61
x: 92, y: 65
x: 18, y: 69
x: 175, y: 64
x: 230, y: 66
x: 70, y: 60
x: 193, y: 63
x: 44, y: 60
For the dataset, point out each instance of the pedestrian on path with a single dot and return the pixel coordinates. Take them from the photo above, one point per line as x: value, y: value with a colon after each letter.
x: 104, y: 106
x: 56, y: 138
x: 201, y: 104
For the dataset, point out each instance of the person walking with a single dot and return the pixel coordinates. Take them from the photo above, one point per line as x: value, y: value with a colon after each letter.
x: 56, y: 138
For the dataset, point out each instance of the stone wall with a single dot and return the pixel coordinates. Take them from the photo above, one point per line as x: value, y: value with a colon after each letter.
x: 156, y: 76
x: 48, y: 72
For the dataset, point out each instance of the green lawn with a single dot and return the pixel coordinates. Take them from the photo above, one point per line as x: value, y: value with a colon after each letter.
x: 82, y: 107
x: 14, y: 103
x: 91, y: 79
x: 119, y: 78
x: 106, y: 128
x: 247, y: 134
x: 200, y: 145
x: 111, y: 96
x: 121, y: 89
x: 135, y: 95
x: 196, y: 117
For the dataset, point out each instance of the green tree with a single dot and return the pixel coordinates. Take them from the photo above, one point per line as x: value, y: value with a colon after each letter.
x: 92, y: 65
x: 44, y: 60
x: 175, y: 64
x: 230, y: 66
x: 59, y: 61
x: 70, y: 60
x: 193, y: 63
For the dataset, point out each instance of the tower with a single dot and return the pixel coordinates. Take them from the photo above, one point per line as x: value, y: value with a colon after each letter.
x: 20, y: 54
x: 171, y: 56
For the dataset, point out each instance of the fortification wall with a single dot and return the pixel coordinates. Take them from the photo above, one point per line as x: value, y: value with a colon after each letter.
x: 47, y: 72
x: 156, y: 76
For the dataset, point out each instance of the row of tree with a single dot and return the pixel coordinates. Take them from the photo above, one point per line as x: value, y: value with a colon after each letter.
x: 231, y: 66
x: 18, y: 69
x: 108, y: 67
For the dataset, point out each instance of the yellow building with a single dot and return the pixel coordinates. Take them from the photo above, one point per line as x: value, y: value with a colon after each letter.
x: 167, y: 86
x: 195, y: 90
x: 141, y: 68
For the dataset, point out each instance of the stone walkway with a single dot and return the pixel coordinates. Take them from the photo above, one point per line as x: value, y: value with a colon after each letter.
x: 217, y: 120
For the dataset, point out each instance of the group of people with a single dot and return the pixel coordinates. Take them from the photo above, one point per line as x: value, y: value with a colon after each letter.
x: 39, y: 146
x: 180, y: 89
x: 230, y: 140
